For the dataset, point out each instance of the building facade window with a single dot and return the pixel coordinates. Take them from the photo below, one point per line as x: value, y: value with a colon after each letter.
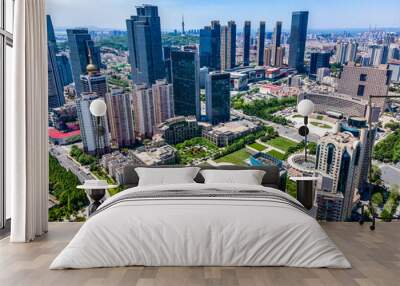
x: 6, y: 43
x: 361, y: 89
x: 363, y: 77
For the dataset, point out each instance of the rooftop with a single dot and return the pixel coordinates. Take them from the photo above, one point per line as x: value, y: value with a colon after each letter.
x: 374, y: 255
x: 234, y: 127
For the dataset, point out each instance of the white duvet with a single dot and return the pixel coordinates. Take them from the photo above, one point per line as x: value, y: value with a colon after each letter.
x: 200, y: 232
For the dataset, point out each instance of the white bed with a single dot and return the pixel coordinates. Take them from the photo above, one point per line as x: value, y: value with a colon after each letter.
x: 267, y: 229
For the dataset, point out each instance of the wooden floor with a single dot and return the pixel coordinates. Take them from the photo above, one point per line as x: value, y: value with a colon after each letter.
x: 375, y: 257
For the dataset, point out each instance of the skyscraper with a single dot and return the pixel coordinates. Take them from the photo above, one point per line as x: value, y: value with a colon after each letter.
x: 261, y: 44
x: 215, y: 45
x: 342, y: 55
x: 120, y: 117
x: 185, y: 80
x: 228, y: 46
x: 80, y: 43
x: 167, y: 61
x: 95, y: 139
x: 338, y: 159
x: 276, y: 43
x: 144, y: 42
x: 246, y: 43
x: 65, y: 68
x: 163, y: 98
x: 297, y: 42
x: 318, y: 60
x: 143, y: 110
x: 205, y: 47
x: 218, y: 97
x: 280, y: 54
x: 267, y: 56
x: 93, y: 80
x: 55, y: 84
x: 352, y: 52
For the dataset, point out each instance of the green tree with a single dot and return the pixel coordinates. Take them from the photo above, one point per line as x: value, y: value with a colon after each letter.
x: 377, y: 199
x: 376, y: 175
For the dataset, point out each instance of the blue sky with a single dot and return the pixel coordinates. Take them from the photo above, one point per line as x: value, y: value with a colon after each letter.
x: 323, y: 14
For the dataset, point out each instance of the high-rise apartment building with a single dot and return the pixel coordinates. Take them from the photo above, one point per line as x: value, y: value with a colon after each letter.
x: 218, y: 97
x: 342, y: 53
x: 280, y: 54
x: 267, y: 56
x: 119, y: 109
x: 228, y: 46
x: 94, y: 131
x: 205, y: 48
x: 80, y: 45
x: 352, y: 52
x: 318, y: 60
x: 338, y: 160
x: 144, y: 42
x: 246, y: 43
x: 261, y: 44
x: 163, y: 101
x: 276, y: 43
x: 297, y: 42
x: 143, y: 110
x: 55, y: 84
x: 215, y: 62
x: 185, y: 80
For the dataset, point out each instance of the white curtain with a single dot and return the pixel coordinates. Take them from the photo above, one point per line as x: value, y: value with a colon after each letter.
x: 26, y: 124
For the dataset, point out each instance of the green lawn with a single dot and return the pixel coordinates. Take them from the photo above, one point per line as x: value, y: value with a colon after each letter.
x: 281, y: 143
x: 236, y: 158
x: 276, y: 154
x: 257, y: 146
x: 320, y: 125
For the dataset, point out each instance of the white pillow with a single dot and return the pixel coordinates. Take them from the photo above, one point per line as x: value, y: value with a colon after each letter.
x: 247, y: 177
x: 166, y: 176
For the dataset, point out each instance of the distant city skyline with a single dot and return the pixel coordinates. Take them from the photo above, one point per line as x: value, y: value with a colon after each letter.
x: 338, y: 14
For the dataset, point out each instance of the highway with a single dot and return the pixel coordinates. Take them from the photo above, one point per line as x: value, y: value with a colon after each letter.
x: 61, y: 153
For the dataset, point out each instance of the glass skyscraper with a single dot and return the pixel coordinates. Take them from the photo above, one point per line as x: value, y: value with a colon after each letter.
x: 144, y: 42
x: 276, y: 43
x: 215, y: 45
x: 228, y: 46
x: 55, y: 84
x: 65, y: 69
x: 80, y: 42
x: 297, y: 42
x: 205, y: 47
x: 318, y: 60
x: 218, y: 97
x: 246, y: 43
x: 185, y: 81
x: 261, y: 44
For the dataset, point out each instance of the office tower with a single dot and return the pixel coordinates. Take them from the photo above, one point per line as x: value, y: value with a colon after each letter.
x: 267, y: 56
x: 361, y: 82
x: 280, y: 54
x: 163, y: 101
x: 55, y: 84
x: 215, y: 45
x: 144, y: 42
x: 298, y: 37
x: 218, y: 97
x: 185, y: 80
x: 352, y: 50
x: 246, y: 43
x: 80, y: 43
x: 338, y: 160
x: 93, y: 80
x: 203, y: 75
x: 64, y: 68
x: 120, y: 117
x: 318, y: 60
x: 228, y: 46
x: 167, y: 61
x: 95, y: 138
x: 276, y: 43
x: 342, y: 53
x: 143, y: 110
x: 205, y: 47
x: 261, y: 44
x: 178, y: 129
